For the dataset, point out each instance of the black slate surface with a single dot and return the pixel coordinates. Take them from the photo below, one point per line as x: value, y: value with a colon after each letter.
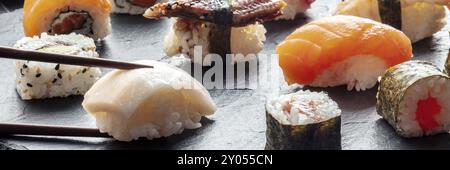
x: 239, y: 122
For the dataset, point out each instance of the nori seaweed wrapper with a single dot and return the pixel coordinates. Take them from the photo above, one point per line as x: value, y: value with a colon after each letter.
x: 223, y: 11
x: 324, y: 135
x: 219, y: 40
x: 395, y: 83
x: 391, y: 12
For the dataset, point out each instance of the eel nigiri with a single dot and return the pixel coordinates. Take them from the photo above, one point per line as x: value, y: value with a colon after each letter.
x: 87, y: 17
x: 150, y: 103
x: 342, y: 50
x: 418, y: 19
x: 413, y: 98
x: 218, y: 27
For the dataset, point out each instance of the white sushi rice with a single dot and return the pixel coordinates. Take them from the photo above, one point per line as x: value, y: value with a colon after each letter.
x: 302, y: 108
x: 185, y: 35
x: 37, y: 80
x: 436, y: 87
x: 125, y: 7
x: 248, y: 40
x: 358, y: 72
x: 151, y: 103
x: 293, y: 8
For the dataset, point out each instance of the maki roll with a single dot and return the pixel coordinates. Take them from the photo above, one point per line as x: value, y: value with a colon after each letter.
x: 303, y: 120
x: 133, y: 7
x: 217, y: 27
x: 151, y: 103
x: 87, y: 17
x: 37, y: 80
x: 412, y: 98
x: 342, y: 50
x: 418, y: 19
x: 295, y: 7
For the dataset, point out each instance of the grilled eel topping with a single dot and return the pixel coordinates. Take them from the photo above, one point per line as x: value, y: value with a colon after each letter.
x: 224, y: 12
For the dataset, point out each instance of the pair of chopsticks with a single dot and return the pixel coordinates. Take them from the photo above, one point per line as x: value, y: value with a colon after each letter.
x: 43, y: 130
x: 46, y: 130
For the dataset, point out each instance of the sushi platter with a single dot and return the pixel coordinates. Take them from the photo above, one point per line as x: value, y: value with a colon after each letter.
x: 370, y: 111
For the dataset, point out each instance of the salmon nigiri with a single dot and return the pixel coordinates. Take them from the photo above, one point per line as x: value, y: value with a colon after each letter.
x: 342, y: 50
x: 87, y: 17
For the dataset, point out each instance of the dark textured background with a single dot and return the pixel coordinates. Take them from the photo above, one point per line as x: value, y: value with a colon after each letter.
x: 240, y: 121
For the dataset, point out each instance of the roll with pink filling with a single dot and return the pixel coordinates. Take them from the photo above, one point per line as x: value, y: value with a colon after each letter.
x: 413, y: 97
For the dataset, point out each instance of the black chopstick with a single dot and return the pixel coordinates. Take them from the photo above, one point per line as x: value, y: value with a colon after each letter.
x: 46, y: 130
x: 12, y: 53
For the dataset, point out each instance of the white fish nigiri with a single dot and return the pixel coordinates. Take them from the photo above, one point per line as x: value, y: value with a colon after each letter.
x: 151, y: 103
x: 418, y: 19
